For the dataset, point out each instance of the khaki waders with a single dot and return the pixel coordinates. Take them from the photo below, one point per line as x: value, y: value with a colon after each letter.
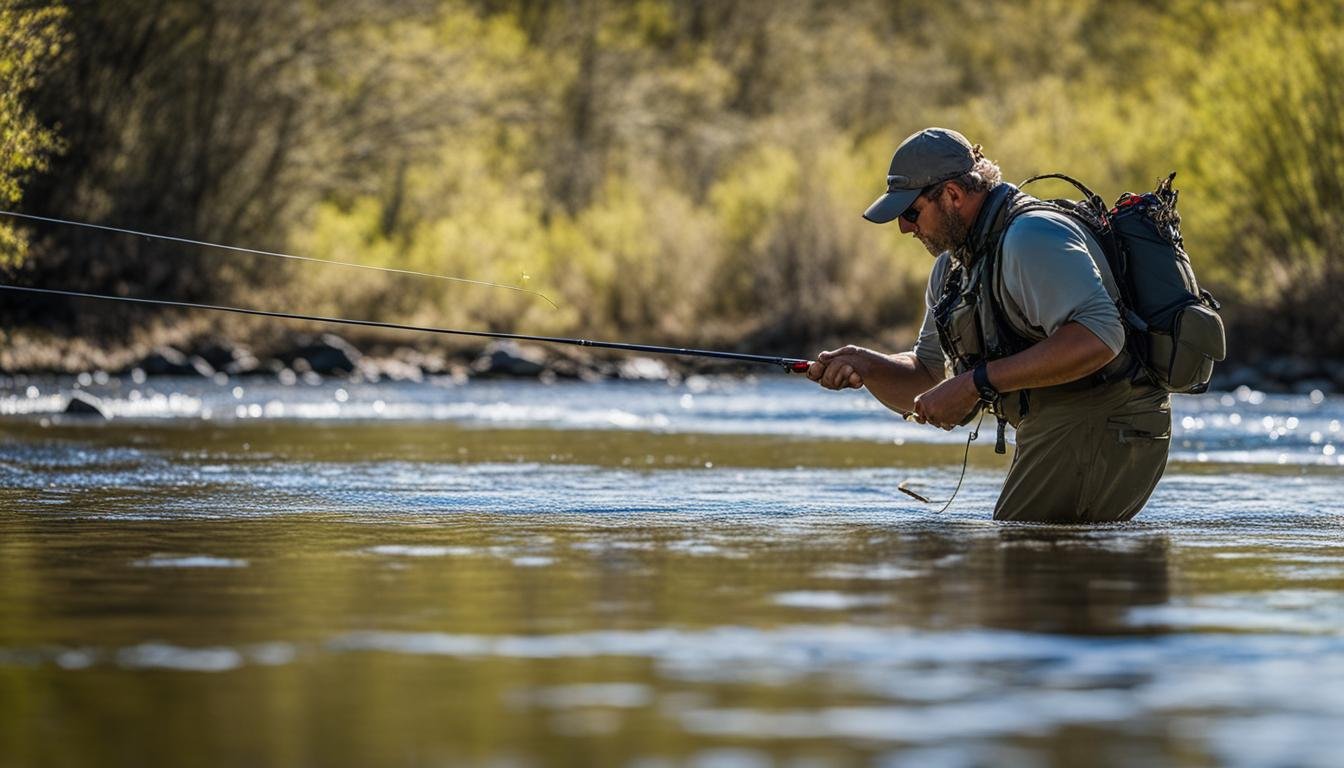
x: 1086, y: 455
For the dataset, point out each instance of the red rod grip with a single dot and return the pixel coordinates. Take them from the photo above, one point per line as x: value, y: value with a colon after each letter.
x: 799, y: 367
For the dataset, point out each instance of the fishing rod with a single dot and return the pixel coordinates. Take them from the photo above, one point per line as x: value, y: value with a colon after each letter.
x: 789, y: 364
x: 277, y: 254
x: 793, y: 365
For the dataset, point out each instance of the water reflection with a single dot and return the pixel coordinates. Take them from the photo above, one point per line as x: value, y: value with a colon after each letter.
x: 1072, y: 582
x: 392, y: 592
x: 540, y: 634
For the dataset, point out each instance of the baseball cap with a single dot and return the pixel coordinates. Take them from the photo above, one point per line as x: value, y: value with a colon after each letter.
x: 924, y: 158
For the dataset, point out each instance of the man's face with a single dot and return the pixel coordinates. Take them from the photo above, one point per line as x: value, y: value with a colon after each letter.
x: 938, y: 226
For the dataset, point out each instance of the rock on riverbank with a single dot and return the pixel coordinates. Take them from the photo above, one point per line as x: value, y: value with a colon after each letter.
x: 312, y: 358
x: 315, y: 356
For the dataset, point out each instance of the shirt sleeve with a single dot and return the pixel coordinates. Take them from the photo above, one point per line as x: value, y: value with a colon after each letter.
x: 1050, y: 271
x: 927, y: 347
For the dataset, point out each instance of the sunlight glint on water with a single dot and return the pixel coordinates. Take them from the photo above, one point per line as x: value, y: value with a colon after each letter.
x: 714, y: 573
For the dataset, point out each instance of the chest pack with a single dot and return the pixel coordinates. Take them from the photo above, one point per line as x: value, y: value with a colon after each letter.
x: 1172, y: 329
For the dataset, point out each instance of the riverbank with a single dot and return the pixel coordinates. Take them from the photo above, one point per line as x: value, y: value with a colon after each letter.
x: 311, y: 356
x: 299, y: 356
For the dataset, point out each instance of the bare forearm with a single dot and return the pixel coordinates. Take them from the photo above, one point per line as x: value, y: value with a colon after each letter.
x: 1071, y: 353
x: 897, y: 380
x: 894, y: 380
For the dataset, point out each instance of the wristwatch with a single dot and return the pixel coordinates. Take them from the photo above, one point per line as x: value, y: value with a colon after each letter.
x: 980, y: 375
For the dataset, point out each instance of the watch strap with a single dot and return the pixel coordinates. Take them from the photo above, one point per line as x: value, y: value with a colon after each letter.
x: 980, y: 375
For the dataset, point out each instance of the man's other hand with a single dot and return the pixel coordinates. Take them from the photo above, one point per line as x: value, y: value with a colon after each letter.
x: 843, y: 368
x: 947, y: 404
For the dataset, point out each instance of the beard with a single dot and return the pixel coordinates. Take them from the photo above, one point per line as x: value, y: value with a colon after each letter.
x: 948, y: 232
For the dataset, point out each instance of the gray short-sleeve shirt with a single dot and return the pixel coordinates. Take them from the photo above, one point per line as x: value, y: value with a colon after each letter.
x: 1054, y: 272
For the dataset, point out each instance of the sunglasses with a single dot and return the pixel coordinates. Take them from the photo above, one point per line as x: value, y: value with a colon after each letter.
x: 910, y: 214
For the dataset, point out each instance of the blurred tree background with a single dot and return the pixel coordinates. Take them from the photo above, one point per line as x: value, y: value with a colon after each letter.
x: 668, y: 171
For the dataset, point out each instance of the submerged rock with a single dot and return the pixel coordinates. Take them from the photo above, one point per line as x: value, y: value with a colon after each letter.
x: 242, y: 365
x: 327, y: 355
x: 398, y: 363
x: 167, y: 361
x: 395, y: 370
x: 506, y: 358
x: 565, y: 368
x: 84, y: 404
x: 218, y: 353
x: 233, y: 359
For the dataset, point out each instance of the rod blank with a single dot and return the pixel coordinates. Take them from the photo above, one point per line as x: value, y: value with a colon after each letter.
x: 795, y: 365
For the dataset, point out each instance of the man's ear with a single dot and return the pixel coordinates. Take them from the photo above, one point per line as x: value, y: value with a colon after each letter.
x: 956, y: 195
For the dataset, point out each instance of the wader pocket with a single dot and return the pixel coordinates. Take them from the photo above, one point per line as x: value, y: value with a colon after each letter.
x: 1128, y: 460
x: 1150, y: 425
x: 1185, y: 357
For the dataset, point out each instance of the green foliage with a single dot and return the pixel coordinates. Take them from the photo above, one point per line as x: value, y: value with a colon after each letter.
x: 685, y: 172
x: 1271, y: 153
x: 1268, y: 164
x: 29, y: 38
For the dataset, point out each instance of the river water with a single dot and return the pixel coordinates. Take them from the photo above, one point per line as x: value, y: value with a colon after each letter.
x: 718, y: 573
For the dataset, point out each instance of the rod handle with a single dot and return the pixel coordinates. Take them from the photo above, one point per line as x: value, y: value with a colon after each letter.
x: 798, y: 366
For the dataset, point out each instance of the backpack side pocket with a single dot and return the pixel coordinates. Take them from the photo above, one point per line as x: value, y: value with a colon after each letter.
x: 1184, y: 358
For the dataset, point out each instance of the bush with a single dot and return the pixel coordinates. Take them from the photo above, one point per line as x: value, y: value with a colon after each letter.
x: 29, y: 39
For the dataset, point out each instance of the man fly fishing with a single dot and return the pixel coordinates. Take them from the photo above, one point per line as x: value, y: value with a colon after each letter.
x: 1022, y: 308
x: 1074, y: 341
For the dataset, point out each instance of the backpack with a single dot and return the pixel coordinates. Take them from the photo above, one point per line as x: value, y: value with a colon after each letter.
x: 1172, y: 326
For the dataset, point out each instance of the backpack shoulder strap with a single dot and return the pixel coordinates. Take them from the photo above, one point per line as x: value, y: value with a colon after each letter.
x: 1093, y: 215
x: 1091, y: 197
x: 1010, y: 337
x: 1080, y: 186
x: 1093, y: 204
x: 1083, y: 215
